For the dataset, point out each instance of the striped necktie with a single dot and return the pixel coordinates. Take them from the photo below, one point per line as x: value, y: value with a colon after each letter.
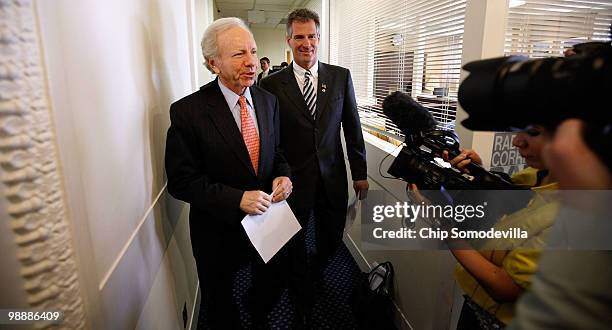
x: 309, y: 94
x: 249, y: 133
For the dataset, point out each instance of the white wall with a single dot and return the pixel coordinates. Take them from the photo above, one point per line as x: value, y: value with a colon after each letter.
x: 321, y: 7
x: 483, y: 38
x: 203, y: 14
x: 113, y: 69
x: 271, y: 43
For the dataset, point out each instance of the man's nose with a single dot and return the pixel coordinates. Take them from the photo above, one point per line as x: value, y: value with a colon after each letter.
x: 251, y: 60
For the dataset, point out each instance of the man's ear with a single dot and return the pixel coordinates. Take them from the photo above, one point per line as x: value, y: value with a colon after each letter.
x: 213, y: 66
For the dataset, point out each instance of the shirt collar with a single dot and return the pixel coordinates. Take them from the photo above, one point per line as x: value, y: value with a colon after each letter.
x: 314, y: 70
x: 232, y: 98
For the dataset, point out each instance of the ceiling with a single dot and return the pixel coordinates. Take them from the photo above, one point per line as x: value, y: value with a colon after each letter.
x: 269, y: 14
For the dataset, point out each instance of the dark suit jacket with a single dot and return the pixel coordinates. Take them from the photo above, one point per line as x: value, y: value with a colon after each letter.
x: 208, y: 165
x: 261, y: 73
x: 313, y: 146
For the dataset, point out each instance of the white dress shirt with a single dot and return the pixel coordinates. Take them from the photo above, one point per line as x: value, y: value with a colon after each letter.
x: 232, y: 102
x: 299, y: 73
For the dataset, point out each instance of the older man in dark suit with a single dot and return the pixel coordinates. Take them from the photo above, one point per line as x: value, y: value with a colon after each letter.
x: 223, y: 158
x: 316, y: 99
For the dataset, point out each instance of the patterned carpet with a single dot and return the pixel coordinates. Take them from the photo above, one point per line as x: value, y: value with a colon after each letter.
x: 332, y: 306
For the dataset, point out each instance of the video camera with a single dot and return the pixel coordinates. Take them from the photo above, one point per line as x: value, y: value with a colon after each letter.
x: 509, y: 93
x: 418, y: 161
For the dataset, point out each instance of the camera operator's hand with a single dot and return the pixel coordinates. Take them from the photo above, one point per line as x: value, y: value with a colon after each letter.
x: 571, y: 160
x: 465, y: 158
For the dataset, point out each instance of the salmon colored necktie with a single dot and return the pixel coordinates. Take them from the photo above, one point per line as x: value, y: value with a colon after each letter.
x: 249, y: 133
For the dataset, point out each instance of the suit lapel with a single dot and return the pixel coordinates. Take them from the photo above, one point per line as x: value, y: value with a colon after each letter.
x: 262, y: 123
x: 222, y: 118
x: 293, y: 92
x: 322, y: 90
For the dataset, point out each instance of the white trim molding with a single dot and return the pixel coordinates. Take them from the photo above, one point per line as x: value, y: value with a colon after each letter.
x: 31, y: 182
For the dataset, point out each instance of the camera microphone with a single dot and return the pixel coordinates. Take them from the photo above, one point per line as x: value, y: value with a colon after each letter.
x: 424, y: 140
x: 408, y: 115
x: 418, y: 125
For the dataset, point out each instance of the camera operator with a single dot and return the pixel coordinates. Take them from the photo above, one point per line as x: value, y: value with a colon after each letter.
x: 530, y: 143
x: 494, y: 278
x: 572, y: 289
x: 565, y: 150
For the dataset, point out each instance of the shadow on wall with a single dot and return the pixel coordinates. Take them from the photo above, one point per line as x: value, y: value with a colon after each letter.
x: 156, y: 88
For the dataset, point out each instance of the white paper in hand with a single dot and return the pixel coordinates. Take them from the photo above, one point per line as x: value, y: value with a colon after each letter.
x: 354, y: 210
x: 270, y: 231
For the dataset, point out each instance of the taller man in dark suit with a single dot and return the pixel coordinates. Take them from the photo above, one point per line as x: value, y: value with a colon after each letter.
x: 316, y: 99
x: 223, y: 158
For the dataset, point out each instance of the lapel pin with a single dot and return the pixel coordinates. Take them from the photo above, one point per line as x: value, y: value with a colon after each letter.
x: 323, y: 87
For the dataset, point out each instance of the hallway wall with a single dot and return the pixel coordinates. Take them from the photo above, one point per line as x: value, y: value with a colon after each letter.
x: 203, y: 15
x: 113, y: 68
x: 321, y: 7
x: 271, y: 44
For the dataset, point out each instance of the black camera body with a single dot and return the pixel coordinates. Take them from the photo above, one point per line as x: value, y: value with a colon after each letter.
x: 509, y: 93
x: 419, y: 160
x: 417, y: 163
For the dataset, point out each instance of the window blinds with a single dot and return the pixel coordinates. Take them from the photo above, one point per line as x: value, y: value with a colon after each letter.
x: 407, y: 45
x: 415, y: 46
x: 543, y: 28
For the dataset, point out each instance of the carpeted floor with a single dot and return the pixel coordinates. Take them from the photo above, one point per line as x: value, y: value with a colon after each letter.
x: 332, y: 306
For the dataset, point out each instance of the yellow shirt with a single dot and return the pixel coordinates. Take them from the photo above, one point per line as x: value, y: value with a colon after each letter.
x: 526, y: 177
x: 520, y: 262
